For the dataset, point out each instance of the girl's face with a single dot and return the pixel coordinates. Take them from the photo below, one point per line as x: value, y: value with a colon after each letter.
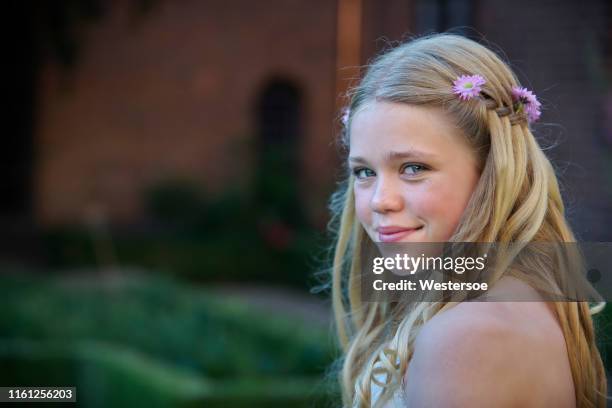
x: 414, y: 172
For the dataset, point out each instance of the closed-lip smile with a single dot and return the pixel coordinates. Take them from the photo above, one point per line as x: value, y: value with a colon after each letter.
x: 394, y: 233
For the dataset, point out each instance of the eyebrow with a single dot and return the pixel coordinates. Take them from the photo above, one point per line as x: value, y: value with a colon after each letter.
x: 393, y: 156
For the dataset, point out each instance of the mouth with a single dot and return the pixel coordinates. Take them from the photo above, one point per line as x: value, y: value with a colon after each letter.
x: 395, y: 234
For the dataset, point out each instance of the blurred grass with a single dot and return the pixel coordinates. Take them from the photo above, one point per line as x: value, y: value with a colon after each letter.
x: 150, y: 335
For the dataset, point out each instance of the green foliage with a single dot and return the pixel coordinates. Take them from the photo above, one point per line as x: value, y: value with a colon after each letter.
x: 185, y: 327
x: 277, y: 185
x: 602, y: 322
x: 152, y: 341
x: 228, y: 238
x: 182, y: 205
x: 231, y: 255
x: 107, y: 375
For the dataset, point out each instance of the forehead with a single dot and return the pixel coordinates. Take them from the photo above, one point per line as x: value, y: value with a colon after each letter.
x: 388, y: 126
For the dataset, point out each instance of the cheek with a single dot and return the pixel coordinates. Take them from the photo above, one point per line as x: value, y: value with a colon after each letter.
x: 363, y: 212
x: 442, y: 205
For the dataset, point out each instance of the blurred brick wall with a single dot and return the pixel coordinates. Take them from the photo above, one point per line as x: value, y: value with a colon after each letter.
x: 385, y: 23
x: 172, y: 94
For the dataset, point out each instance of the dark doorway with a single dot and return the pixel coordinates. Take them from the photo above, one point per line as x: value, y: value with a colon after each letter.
x: 279, y: 130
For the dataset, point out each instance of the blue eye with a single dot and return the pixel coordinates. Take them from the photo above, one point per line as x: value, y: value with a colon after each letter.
x: 363, y: 172
x: 415, y: 169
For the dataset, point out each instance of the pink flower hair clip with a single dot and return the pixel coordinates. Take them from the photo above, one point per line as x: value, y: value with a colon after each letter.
x: 468, y: 86
x: 346, y: 112
x: 528, y: 102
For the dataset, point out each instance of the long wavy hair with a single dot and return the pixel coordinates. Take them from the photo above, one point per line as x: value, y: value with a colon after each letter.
x: 517, y: 199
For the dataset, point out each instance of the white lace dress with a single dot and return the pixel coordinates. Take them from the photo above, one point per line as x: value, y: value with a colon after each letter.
x: 397, y: 401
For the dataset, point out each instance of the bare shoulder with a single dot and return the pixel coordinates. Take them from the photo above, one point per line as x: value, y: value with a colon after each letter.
x: 502, y: 354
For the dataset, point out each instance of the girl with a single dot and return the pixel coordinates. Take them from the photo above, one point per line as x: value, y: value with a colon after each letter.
x: 440, y: 149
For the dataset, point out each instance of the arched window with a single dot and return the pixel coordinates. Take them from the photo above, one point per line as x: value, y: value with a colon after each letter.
x: 278, y: 117
x: 278, y: 112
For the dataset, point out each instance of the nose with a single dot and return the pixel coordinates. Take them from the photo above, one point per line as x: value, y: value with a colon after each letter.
x: 386, y: 197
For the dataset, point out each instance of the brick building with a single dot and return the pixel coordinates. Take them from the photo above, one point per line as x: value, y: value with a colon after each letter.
x: 188, y: 90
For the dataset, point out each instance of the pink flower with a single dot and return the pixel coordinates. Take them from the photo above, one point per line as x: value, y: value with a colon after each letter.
x: 345, y: 116
x: 527, y: 99
x: 468, y: 86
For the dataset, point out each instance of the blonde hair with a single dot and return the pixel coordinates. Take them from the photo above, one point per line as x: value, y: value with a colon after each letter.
x: 517, y: 199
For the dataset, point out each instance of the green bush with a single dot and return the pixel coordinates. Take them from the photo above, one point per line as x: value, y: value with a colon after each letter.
x: 190, y: 328
x: 228, y: 255
x: 109, y: 376
x: 258, y: 237
x: 152, y: 339
x: 603, y: 329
